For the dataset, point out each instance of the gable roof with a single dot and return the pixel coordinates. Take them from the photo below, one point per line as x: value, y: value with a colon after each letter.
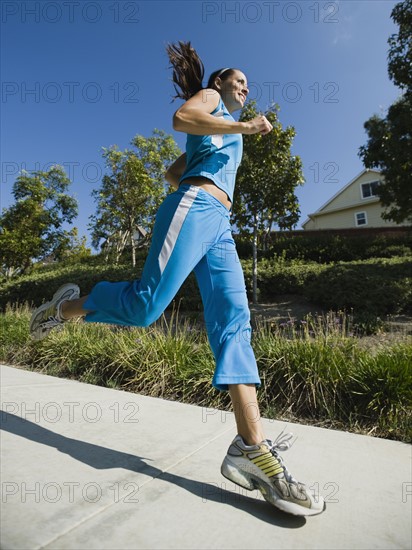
x: 364, y: 171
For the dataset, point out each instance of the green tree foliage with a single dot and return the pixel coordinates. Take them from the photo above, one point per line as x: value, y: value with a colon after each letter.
x: 131, y: 193
x: 400, y: 46
x: 266, y: 182
x: 73, y: 247
x: 389, y: 147
x: 32, y: 228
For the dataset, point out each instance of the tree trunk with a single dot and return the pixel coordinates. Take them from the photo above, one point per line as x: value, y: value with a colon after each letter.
x: 133, y: 242
x: 121, y: 243
x: 118, y: 250
x: 254, y: 264
x: 107, y: 250
x: 267, y: 236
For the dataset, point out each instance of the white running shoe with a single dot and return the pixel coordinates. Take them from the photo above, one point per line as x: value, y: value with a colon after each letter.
x: 47, y: 316
x: 261, y: 467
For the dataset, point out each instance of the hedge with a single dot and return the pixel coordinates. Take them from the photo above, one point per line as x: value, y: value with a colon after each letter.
x: 331, y: 248
x: 374, y: 287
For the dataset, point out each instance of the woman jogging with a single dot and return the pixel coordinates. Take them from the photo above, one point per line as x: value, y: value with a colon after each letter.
x: 192, y: 232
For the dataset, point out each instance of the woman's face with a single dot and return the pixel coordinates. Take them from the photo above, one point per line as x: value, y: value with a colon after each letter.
x: 233, y: 90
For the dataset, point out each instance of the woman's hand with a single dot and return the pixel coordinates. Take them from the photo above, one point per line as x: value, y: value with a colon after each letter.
x: 258, y: 125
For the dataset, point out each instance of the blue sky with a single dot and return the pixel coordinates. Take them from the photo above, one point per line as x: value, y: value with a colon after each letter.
x: 78, y: 76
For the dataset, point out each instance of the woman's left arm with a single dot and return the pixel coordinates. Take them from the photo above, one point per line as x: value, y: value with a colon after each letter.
x: 174, y: 172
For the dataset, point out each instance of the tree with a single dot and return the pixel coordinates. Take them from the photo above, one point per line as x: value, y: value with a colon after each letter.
x: 131, y: 193
x: 389, y: 147
x: 72, y: 247
x: 32, y: 227
x: 400, y: 46
x: 266, y: 182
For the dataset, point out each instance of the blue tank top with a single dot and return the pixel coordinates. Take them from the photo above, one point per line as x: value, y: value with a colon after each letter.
x: 216, y: 157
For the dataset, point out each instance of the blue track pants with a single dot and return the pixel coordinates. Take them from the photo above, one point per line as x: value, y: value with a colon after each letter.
x: 192, y: 232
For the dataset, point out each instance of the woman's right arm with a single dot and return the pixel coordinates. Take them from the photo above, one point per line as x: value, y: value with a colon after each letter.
x: 194, y: 117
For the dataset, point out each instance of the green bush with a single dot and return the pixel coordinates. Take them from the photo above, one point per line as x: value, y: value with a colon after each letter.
x: 375, y: 287
x: 277, y: 277
x: 40, y: 285
x: 330, y: 248
x: 370, y: 288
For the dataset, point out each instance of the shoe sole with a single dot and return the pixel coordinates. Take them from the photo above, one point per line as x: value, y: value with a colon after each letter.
x: 58, y: 295
x: 251, y: 482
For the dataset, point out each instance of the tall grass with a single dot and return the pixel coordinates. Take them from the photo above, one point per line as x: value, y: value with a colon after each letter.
x: 319, y: 370
x: 313, y: 370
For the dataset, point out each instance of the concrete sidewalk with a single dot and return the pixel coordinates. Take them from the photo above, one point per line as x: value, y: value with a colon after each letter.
x: 90, y: 467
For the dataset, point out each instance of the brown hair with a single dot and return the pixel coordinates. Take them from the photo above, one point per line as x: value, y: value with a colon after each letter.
x: 188, y: 70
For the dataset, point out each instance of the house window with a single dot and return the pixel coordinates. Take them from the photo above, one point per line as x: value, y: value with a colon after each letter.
x: 361, y: 219
x: 369, y: 189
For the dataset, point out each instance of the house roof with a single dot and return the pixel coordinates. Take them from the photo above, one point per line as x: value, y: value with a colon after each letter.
x: 364, y: 171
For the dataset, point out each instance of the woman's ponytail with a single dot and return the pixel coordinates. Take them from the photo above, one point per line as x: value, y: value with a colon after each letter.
x: 188, y: 69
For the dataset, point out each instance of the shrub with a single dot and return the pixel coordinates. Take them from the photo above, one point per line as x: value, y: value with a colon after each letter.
x: 370, y: 288
x: 327, y: 248
x: 40, y: 285
x: 276, y: 276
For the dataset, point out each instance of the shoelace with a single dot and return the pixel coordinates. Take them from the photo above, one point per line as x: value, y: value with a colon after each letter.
x: 282, y: 443
x: 54, y: 316
x: 50, y: 323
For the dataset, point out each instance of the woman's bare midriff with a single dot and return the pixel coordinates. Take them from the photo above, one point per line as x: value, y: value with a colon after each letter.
x: 211, y: 188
